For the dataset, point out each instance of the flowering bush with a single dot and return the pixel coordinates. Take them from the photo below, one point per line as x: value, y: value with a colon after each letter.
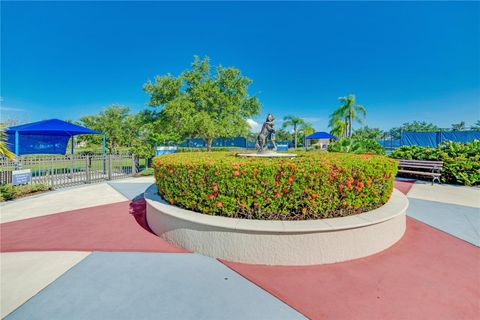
x: 310, y: 186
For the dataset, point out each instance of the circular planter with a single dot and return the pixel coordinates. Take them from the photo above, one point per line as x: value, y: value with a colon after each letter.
x: 279, y: 242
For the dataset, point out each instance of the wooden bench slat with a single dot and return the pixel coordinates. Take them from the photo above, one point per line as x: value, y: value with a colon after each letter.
x: 421, y: 161
x: 420, y: 167
x: 432, y: 174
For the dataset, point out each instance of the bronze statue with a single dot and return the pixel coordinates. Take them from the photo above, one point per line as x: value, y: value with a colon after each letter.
x: 266, y: 134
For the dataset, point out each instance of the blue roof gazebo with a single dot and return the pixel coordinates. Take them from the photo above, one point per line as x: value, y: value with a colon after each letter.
x: 45, y: 137
x: 319, y: 135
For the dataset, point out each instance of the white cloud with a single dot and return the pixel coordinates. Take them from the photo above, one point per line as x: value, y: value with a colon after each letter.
x: 2, y: 108
x: 254, y: 125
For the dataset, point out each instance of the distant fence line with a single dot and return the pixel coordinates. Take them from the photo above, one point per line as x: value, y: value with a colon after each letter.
x: 427, y: 139
x: 60, y: 171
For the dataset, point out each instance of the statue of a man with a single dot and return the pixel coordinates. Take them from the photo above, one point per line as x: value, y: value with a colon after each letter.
x: 266, y: 134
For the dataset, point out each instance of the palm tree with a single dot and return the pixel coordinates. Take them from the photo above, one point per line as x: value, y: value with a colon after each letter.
x: 295, y: 122
x: 476, y: 126
x: 338, y: 126
x: 347, y: 113
x: 458, y: 126
x: 3, y: 146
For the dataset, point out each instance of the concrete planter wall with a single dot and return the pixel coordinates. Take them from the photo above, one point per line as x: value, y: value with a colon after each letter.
x: 279, y: 242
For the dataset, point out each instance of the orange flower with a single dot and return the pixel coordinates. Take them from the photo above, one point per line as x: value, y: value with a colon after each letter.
x: 258, y: 192
x: 236, y: 173
x: 219, y: 204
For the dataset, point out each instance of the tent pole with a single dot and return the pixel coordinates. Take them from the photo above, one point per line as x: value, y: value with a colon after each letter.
x: 71, y: 156
x: 17, y: 137
x: 104, y: 152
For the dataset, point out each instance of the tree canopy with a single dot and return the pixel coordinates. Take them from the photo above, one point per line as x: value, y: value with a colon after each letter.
x: 119, y: 126
x: 415, y: 126
x: 205, y: 104
x: 368, y: 133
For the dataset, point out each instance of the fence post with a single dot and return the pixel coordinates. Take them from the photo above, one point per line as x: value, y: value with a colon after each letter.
x: 87, y: 170
x: 109, y: 166
x: 134, y: 166
x: 52, y: 179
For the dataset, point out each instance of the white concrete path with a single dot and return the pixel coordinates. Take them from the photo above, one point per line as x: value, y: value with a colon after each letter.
x: 60, y: 201
x: 460, y: 195
x: 24, y: 274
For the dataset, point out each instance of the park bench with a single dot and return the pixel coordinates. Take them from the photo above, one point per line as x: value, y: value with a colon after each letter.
x: 422, y: 168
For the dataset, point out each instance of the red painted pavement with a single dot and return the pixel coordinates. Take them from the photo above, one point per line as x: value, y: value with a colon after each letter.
x: 426, y: 275
x: 403, y: 185
x: 113, y: 227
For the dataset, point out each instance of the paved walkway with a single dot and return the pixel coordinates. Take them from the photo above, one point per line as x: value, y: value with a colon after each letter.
x: 52, y: 267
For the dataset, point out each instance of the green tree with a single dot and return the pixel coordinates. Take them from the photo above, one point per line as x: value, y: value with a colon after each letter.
x: 205, y: 104
x: 368, y: 133
x: 415, y: 126
x: 305, y: 130
x: 283, y: 135
x: 476, y: 126
x: 296, y: 123
x: 348, y: 112
x: 458, y: 126
x: 118, y: 125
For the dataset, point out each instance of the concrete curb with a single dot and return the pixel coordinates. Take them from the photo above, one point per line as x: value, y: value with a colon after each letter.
x: 279, y: 242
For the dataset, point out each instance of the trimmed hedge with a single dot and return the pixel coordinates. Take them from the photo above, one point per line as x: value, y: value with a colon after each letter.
x: 10, y: 192
x: 310, y: 186
x: 461, y: 160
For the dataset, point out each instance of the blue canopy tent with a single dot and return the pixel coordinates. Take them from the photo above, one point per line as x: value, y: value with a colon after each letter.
x: 321, y: 136
x: 45, y: 137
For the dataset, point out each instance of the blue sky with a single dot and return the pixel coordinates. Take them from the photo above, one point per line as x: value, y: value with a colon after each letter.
x: 404, y: 61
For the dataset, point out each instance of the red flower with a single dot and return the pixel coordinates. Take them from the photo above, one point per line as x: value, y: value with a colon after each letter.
x: 236, y: 173
x: 359, y: 186
x: 211, y: 196
x: 215, y: 173
x: 219, y: 204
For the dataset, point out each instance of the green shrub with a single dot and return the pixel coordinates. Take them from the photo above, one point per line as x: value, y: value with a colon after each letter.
x: 10, y: 192
x: 146, y: 172
x: 310, y: 186
x: 356, y: 145
x: 461, y: 160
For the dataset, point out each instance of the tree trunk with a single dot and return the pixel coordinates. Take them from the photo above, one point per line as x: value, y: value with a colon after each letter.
x: 295, y: 131
x: 350, y: 123
x: 209, y: 144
